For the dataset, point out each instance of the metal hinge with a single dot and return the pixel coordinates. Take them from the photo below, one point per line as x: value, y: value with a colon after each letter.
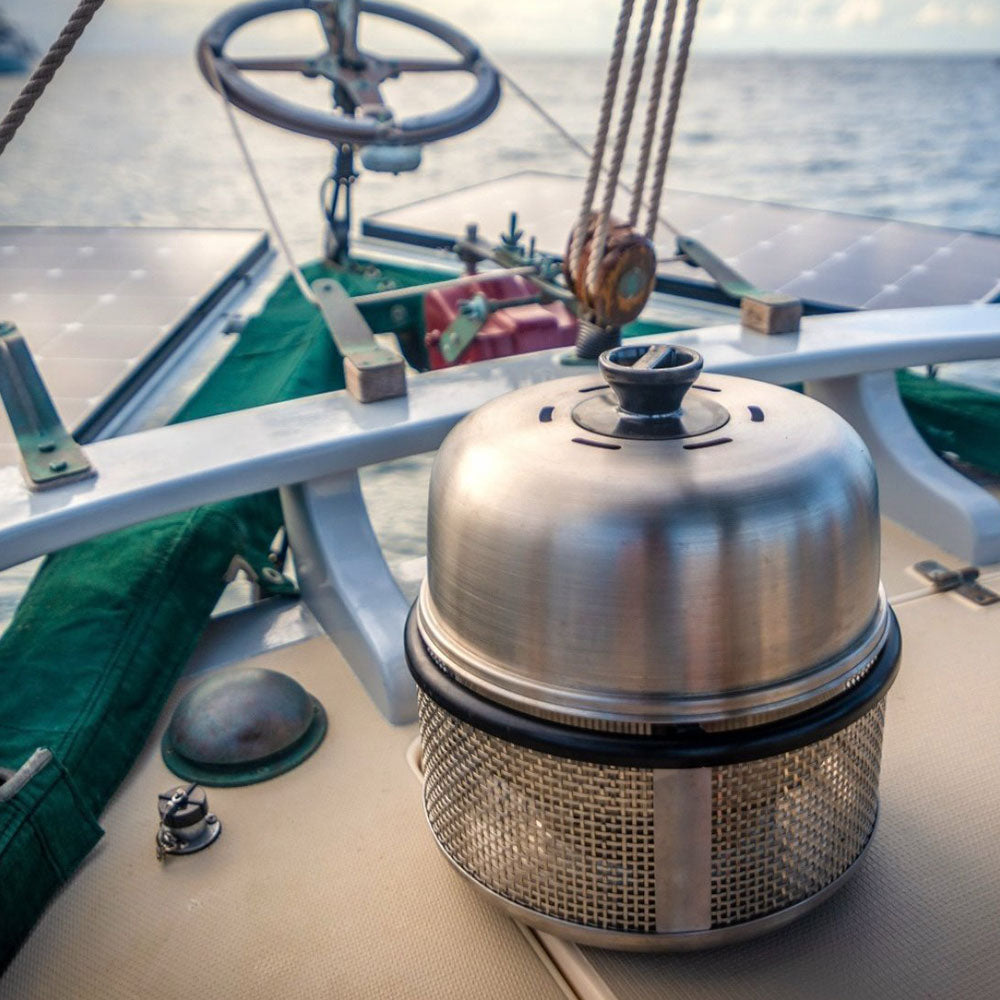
x: 962, y: 581
x: 268, y: 580
x: 49, y: 455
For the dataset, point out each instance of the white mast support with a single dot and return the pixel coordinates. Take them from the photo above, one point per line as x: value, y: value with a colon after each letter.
x: 346, y: 583
x: 915, y: 486
x: 621, y: 140
x: 313, y: 446
x: 670, y: 117
x: 601, y: 139
x: 652, y: 109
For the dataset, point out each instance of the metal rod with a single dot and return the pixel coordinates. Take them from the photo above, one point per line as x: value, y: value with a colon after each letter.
x: 392, y: 294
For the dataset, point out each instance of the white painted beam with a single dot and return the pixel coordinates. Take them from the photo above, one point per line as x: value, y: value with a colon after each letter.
x: 146, y: 475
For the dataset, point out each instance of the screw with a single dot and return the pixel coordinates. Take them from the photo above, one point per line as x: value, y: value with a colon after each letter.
x: 47, y: 446
x: 59, y: 466
x: 210, y: 819
x: 398, y: 315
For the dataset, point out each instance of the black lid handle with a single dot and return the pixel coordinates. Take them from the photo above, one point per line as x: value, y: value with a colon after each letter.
x: 650, y: 380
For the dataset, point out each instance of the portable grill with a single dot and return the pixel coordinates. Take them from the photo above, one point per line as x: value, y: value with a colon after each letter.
x: 652, y: 653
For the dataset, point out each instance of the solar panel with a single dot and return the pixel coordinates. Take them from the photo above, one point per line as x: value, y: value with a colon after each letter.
x: 826, y: 258
x: 101, y: 308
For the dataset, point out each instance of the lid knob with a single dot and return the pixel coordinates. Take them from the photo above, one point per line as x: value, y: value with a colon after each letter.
x: 650, y: 380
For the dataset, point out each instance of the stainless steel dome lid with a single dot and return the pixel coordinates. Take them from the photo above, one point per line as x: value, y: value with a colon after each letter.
x: 620, y: 550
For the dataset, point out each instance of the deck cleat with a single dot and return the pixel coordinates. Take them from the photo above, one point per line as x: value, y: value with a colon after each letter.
x: 186, y: 825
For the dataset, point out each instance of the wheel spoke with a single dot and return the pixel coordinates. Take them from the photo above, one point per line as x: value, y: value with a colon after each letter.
x: 277, y: 64
x: 427, y: 65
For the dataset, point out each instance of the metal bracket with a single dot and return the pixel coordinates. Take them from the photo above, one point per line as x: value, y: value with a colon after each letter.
x: 765, y: 312
x: 49, y: 455
x: 371, y: 372
x: 460, y: 333
x: 267, y: 580
x: 962, y: 581
x: 473, y: 315
x: 335, y: 197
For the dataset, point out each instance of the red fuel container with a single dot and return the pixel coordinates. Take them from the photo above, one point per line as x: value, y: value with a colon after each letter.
x: 516, y: 330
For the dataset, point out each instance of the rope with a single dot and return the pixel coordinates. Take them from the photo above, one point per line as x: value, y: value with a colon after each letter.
x: 545, y: 115
x: 673, y: 102
x: 571, y: 139
x: 621, y: 138
x: 279, y: 235
x: 603, y: 123
x: 653, y: 110
x: 46, y: 69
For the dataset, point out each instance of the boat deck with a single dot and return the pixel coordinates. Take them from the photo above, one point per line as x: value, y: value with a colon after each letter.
x: 326, y: 881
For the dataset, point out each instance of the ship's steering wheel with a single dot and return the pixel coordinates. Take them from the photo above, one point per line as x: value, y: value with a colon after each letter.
x: 363, y: 117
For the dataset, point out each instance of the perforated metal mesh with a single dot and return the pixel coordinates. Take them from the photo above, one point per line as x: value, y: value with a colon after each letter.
x: 568, y: 839
x: 574, y: 840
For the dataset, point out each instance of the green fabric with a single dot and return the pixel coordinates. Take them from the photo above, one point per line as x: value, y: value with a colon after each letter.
x: 46, y: 830
x: 954, y: 418
x: 106, y: 627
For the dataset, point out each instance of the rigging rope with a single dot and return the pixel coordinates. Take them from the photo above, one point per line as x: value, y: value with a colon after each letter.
x: 265, y: 201
x: 670, y: 118
x: 652, y: 108
x: 604, y: 121
x: 46, y: 69
x: 571, y: 139
x: 613, y: 171
x: 621, y: 138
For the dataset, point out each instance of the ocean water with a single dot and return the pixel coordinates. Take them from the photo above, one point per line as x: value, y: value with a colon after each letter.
x: 139, y: 139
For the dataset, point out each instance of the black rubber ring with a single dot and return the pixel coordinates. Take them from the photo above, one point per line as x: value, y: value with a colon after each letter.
x: 669, y: 746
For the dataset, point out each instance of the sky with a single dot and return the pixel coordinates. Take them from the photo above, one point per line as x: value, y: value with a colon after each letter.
x: 541, y: 25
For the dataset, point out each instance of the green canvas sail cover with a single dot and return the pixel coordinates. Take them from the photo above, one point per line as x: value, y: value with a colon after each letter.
x: 106, y: 627
x: 954, y: 419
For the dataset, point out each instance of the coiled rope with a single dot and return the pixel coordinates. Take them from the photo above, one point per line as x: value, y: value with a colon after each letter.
x: 669, y: 119
x: 46, y: 69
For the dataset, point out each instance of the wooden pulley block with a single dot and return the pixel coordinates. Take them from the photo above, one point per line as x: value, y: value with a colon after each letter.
x: 625, y: 275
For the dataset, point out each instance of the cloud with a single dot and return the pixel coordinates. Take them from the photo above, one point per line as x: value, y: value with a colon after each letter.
x: 720, y: 17
x: 856, y: 12
x: 933, y: 14
x: 982, y: 14
x: 936, y: 13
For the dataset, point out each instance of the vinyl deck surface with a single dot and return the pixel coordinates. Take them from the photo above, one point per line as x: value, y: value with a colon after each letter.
x: 326, y: 881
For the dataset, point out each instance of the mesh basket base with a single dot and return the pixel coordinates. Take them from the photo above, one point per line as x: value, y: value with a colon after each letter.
x: 575, y: 847
x: 595, y: 937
